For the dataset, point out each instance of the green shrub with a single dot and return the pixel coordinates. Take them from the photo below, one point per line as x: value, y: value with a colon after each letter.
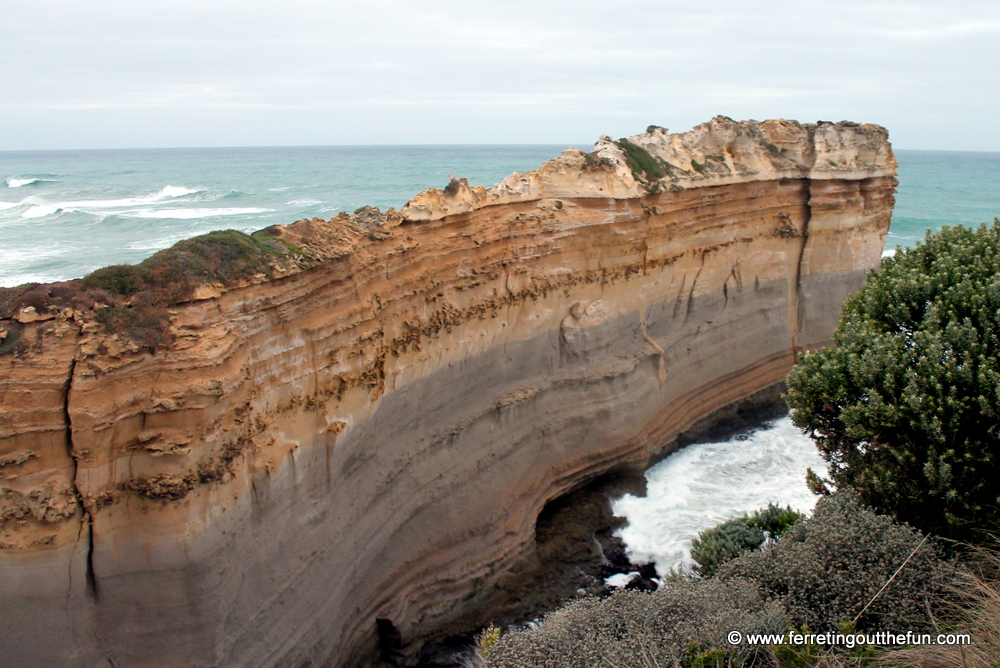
x: 119, y: 279
x: 640, y: 161
x: 906, y: 406
x: 485, y: 640
x: 681, y: 623
x: 775, y: 520
x: 717, y: 545
x: 728, y: 540
x: 827, y: 567
x: 697, y: 166
x: 170, y: 275
x: 223, y: 255
x: 135, y: 296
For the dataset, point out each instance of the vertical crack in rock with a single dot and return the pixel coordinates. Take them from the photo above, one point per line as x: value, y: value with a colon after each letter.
x: 795, y: 307
x: 92, y: 589
x: 87, y: 521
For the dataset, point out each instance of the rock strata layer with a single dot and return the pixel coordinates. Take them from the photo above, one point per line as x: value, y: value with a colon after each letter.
x: 371, y: 432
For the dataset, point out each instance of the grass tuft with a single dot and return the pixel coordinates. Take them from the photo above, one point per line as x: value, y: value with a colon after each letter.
x: 641, y: 161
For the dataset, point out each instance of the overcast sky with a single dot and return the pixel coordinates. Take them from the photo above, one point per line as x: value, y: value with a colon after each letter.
x: 155, y: 73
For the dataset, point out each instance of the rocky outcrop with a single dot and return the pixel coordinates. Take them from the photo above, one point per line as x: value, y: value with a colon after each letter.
x: 371, y: 432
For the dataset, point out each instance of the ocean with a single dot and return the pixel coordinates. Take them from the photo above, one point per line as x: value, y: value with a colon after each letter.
x: 66, y: 213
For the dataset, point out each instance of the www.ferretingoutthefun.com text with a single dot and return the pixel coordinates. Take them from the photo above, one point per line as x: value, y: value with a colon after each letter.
x: 850, y: 640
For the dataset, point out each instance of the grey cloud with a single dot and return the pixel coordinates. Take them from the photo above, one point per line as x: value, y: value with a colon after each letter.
x: 216, y: 72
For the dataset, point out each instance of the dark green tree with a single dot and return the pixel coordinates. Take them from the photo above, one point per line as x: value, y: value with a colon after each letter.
x: 905, y: 406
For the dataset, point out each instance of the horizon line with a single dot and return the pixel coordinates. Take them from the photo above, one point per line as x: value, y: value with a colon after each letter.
x: 304, y: 146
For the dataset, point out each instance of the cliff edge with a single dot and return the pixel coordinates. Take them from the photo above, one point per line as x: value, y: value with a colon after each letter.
x: 366, y: 425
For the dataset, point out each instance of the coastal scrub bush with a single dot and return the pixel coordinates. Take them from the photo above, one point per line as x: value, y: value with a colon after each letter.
x: 170, y: 275
x: 640, y: 161
x: 683, y: 622
x: 906, y: 406
x: 131, y: 300
x: 119, y: 279
x: 136, y: 296
x: 728, y: 540
x: 826, y: 568
x: 222, y: 255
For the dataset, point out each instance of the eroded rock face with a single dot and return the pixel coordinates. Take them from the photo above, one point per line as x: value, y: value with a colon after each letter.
x: 372, y: 433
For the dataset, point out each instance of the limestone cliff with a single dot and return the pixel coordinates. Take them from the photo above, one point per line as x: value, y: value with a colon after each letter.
x: 371, y: 431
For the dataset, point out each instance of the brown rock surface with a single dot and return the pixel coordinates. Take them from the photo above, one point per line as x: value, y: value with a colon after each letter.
x: 372, y: 432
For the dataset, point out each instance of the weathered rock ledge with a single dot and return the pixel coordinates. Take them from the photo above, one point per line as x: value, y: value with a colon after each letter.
x: 372, y: 432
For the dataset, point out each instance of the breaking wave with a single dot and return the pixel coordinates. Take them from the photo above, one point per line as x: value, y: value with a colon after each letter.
x: 19, y: 181
x: 704, y: 484
x: 39, y: 208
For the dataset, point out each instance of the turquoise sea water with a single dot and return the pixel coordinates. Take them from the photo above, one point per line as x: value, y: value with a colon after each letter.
x: 938, y: 188
x: 65, y: 213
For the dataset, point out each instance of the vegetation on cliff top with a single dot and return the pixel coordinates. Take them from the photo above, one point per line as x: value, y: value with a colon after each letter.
x: 641, y: 161
x: 224, y: 256
x: 906, y: 406
x: 132, y: 299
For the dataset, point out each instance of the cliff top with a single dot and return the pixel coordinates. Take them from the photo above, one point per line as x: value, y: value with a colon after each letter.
x: 719, y: 152
x: 132, y: 299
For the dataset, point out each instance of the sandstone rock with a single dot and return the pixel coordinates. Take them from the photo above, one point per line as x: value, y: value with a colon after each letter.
x: 373, y: 434
x: 30, y: 314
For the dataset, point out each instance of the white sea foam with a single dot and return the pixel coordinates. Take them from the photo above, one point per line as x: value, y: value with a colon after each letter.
x: 303, y: 202
x: 889, y: 252
x: 165, y: 193
x: 16, y: 182
x: 41, y: 210
x: 189, y: 214
x: 703, y: 485
x: 8, y: 205
x: 175, y: 191
x: 620, y: 579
